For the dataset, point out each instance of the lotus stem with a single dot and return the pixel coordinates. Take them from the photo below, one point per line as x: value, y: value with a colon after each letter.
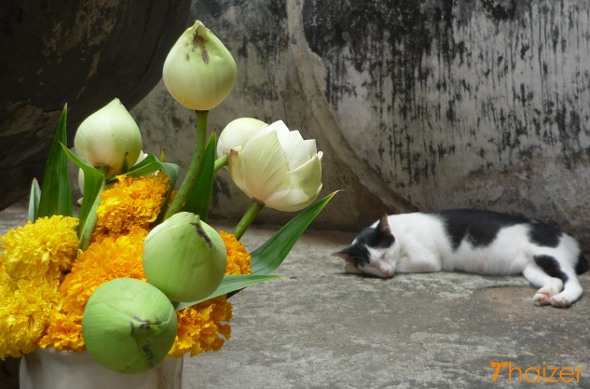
x: 247, y: 219
x: 220, y: 162
x: 194, y: 168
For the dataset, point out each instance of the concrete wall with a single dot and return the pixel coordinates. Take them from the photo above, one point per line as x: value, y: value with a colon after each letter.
x: 416, y: 104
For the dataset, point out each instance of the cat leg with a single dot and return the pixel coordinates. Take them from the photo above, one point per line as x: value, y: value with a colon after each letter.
x: 571, y: 286
x: 549, y: 286
x: 572, y: 291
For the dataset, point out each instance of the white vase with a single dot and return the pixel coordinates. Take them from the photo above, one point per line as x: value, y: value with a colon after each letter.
x: 51, y: 369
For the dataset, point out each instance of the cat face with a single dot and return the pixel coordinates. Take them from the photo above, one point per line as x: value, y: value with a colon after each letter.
x: 370, y: 251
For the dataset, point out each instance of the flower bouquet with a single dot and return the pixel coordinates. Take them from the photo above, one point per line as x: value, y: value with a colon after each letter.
x: 137, y: 278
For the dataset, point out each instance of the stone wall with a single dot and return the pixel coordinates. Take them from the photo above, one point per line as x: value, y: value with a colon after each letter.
x: 416, y: 104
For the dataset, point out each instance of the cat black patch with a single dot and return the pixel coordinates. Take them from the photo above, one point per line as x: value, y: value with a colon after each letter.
x: 374, y: 238
x: 481, y: 227
x: 550, y: 266
x: 370, y: 237
x: 543, y: 235
x: 582, y: 265
x: 356, y: 253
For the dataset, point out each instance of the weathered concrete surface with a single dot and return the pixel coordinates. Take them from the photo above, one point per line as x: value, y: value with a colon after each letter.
x: 431, y: 103
x: 321, y: 328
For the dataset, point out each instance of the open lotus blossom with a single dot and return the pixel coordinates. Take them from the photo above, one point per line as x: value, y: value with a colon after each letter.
x: 237, y: 133
x: 277, y: 168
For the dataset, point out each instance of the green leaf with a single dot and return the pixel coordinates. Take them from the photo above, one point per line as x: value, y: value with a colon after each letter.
x: 56, y: 193
x: 199, y: 197
x: 94, y: 183
x: 232, y: 284
x: 271, y: 254
x: 150, y: 165
x: 34, y: 198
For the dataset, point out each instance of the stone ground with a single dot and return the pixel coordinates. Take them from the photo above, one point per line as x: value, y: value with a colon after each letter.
x: 320, y: 328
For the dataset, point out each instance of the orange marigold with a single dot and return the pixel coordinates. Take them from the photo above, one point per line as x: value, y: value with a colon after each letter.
x: 104, y: 260
x: 238, y: 258
x: 202, y: 327
x: 131, y: 202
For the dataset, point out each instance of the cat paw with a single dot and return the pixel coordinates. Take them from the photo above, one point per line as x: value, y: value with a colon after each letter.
x: 543, y: 297
x: 560, y: 302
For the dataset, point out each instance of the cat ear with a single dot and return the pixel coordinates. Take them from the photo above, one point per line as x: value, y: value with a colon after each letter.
x: 345, y: 253
x: 383, y: 225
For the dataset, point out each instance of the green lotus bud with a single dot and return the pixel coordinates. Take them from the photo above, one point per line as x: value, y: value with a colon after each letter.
x: 109, y: 138
x: 199, y: 72
x: 129, y: 325
x: 184, y: 257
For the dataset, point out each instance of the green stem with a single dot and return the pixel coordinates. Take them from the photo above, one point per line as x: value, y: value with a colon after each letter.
x: 220, y: 162
x: 194, y: 168
x: 248, y: 218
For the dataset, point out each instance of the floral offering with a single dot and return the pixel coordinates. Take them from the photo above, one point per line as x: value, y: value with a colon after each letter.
x: 136, y: 275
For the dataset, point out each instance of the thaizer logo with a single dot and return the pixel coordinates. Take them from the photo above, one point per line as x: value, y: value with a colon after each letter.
x: 507, y: 372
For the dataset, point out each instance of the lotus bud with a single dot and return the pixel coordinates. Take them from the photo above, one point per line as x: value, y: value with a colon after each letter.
x: 236, y: 133
x: 199, y: 71
x: 109, y: 138
x: 184, y: 257
x: 141, y: 157
x: 129, y: 325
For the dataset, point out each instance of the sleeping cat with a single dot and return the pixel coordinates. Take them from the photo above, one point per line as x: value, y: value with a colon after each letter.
x: 473, y: 241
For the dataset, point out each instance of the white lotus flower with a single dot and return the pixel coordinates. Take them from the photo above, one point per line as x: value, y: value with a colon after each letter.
x: 237, y: 133
x: 109, y: 138
x: 199, y: 71
x: 277, y: 168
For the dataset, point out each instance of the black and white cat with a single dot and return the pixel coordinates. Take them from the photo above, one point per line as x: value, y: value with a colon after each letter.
x: 473, y: 241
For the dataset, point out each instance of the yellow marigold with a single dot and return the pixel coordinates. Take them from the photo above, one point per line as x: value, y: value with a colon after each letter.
x: 104, y: 260
x: 43, y: 249
x: 238, y: 258
x: 131, y: 202
x: 25, y: 311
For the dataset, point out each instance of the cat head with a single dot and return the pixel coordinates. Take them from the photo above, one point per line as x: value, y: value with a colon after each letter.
x: 368, y: 251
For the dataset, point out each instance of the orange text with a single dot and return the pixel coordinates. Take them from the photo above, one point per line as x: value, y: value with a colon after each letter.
x: 544, y: 373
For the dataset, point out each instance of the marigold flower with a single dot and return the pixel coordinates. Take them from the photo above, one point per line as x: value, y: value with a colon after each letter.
x: 47, y: 313
x: 202, y: 327
x: 31, y: 267
x: 104, y: 260
x: 131, y: 202
x: 25, y: 313
x: 238, y: 258
x: 43, y: 249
